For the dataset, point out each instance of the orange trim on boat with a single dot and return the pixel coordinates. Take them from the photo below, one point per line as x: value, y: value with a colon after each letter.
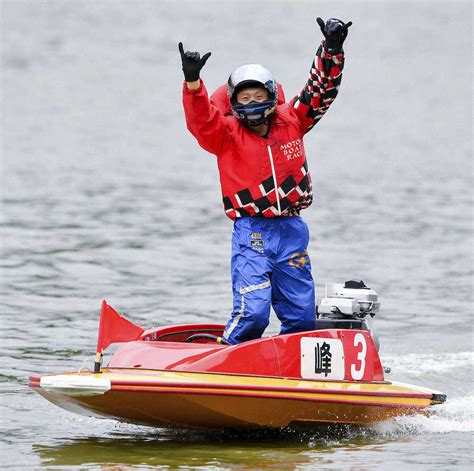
x: 282, y: 395
x: 284, y: 389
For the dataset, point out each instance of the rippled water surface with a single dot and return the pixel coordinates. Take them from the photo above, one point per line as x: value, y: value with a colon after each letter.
x: 105, y: 195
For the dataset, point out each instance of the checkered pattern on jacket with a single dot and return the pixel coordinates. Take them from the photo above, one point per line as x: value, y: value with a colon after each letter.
x: 294, y: 193
x: 322, y: 86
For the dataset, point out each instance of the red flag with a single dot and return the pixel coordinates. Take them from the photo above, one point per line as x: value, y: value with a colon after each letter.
x: 115, y: 328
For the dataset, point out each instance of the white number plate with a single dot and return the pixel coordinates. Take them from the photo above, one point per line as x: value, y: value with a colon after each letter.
x: 322, y: 359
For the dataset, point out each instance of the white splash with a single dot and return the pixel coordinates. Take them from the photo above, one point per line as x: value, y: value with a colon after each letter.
x: 456, y: 415
x: 451, y: 370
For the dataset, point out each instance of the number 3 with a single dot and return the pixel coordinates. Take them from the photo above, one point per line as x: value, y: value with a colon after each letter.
x: 357, y: 374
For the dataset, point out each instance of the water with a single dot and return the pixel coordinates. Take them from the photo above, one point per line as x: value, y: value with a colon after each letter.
x: 105, y: 195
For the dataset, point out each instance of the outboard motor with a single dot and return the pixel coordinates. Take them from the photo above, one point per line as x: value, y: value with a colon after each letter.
x: 351, y: 305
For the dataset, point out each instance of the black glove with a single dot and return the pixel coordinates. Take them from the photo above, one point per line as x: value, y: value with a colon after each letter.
x: 192, y: 63
x: 335, y: 32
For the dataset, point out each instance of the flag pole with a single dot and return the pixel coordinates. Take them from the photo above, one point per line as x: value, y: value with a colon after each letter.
x: 98, y: 354
x: 97, y: 363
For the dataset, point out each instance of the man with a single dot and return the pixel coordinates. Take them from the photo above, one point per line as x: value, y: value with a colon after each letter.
x: 265, y: 181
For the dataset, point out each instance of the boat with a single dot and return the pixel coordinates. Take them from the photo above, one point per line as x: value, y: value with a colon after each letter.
x: 187, y: 376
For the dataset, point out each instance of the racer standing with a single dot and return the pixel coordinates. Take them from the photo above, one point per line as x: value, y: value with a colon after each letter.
x: 265, y: 181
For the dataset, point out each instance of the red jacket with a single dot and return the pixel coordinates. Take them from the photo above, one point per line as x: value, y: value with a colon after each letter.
x: 251, y: 167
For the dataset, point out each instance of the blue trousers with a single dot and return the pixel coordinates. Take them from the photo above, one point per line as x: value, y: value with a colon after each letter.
x: 270, y: 267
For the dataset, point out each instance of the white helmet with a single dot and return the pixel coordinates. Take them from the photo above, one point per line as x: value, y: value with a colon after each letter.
x: 246, y: 76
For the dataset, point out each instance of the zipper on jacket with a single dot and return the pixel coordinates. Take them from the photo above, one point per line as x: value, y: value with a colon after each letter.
x: 274, y: 179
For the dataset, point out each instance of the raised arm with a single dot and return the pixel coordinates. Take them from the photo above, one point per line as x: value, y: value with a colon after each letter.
x: 325, y: 75
x: 203, y: 120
